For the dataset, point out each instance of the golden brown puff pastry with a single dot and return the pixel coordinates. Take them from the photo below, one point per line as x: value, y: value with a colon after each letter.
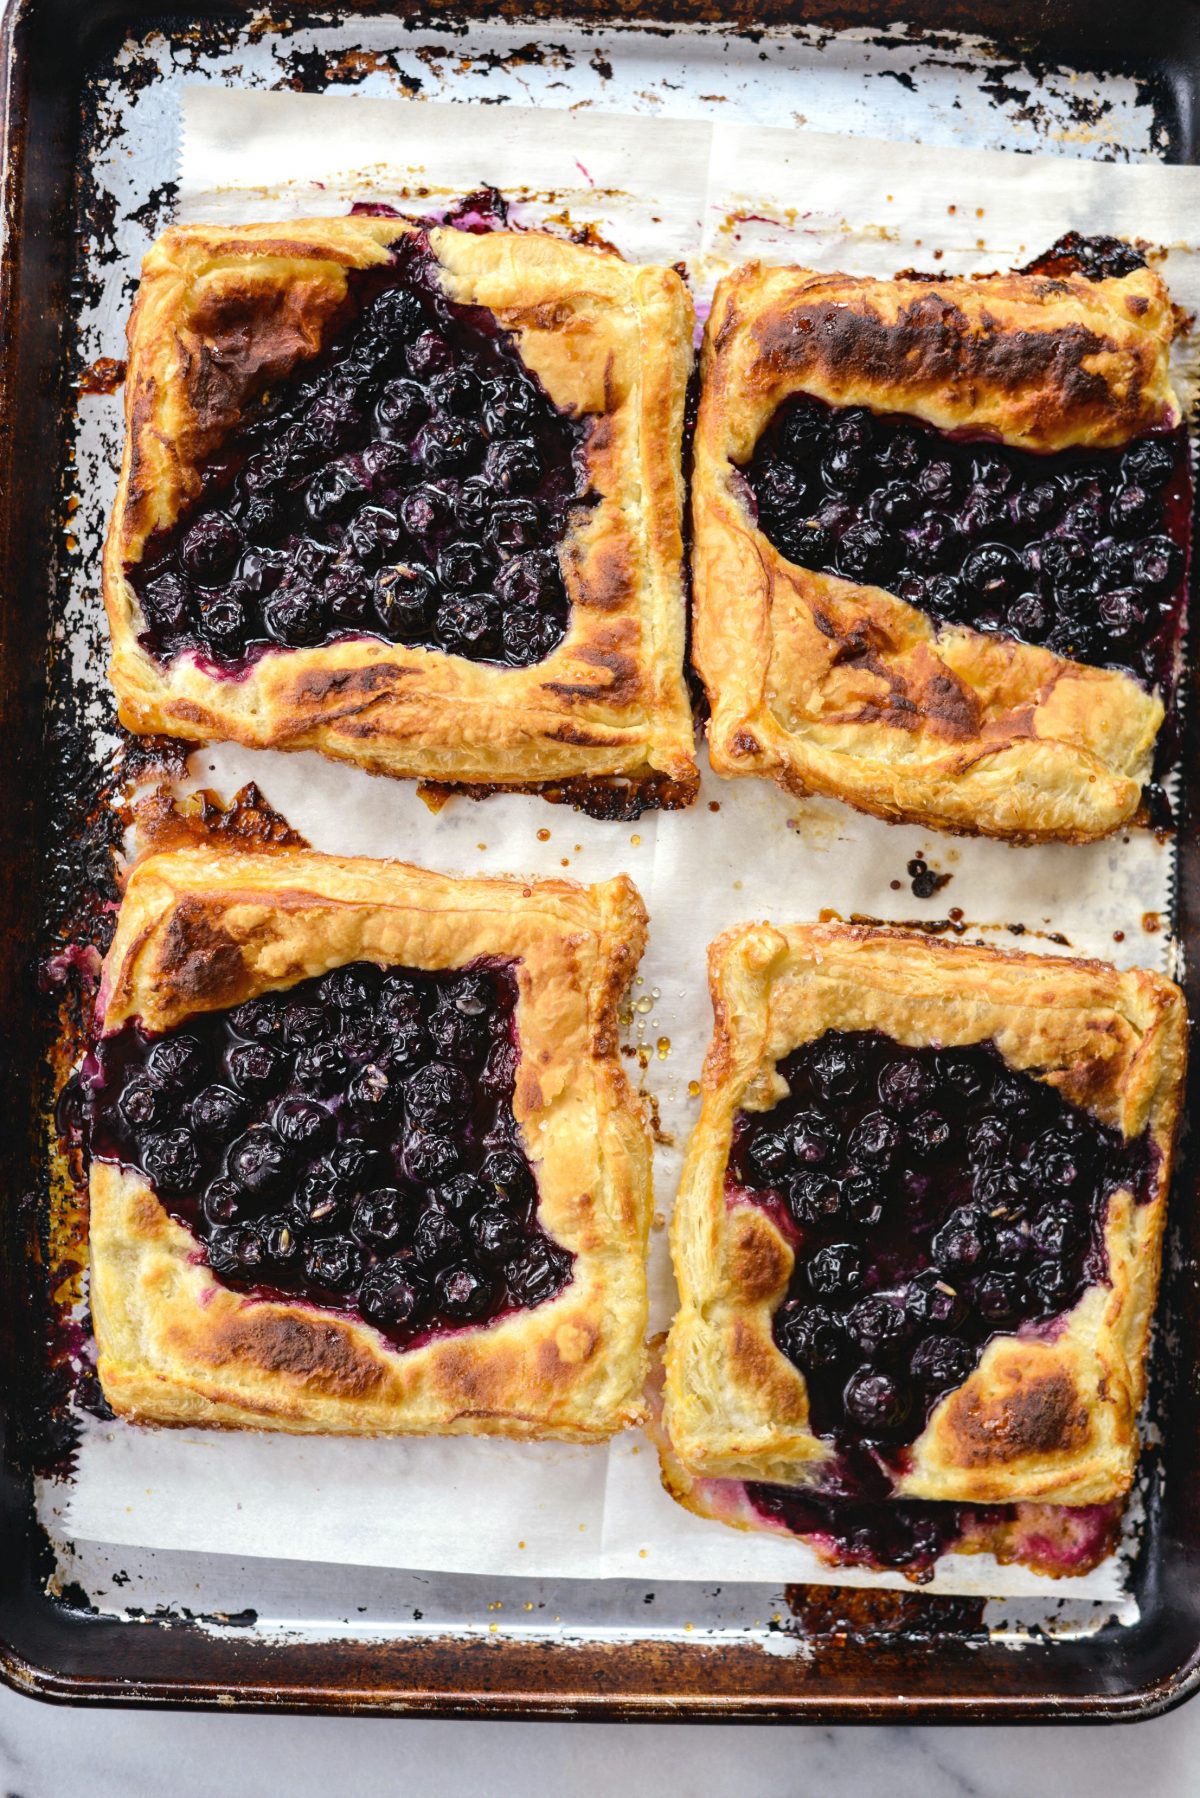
x: 837, y: 686
x: 1049, y: 1411
x: 224, y: 313
x: 200, y: 931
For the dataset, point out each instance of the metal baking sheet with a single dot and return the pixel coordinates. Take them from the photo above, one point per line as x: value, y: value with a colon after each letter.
x: 92, y: 125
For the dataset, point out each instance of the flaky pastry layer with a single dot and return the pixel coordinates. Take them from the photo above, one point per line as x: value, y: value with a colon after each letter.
x: 836, y: 688
x: 1050, y: 1418
x: 202, y: 930
x: 223, y: 313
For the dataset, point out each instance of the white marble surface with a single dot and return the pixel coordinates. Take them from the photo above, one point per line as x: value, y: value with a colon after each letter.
x: 46, y: 1751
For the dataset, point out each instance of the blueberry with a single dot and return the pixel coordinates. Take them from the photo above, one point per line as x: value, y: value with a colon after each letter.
x: 1133, y: 510
x: 335, y: 1262
x: 515, y: 525
x: 373, y: 1093
x: 456, y: 1036
x: 929, y: 1132
x: 237, y: 1251
x: 933, y: 1302
x: 437, y: 1240
x: 878, y: 1403
x: 462, y: 1197
x: 903, y: 452
x: 811, y: 1336
x: 304, y: 1025
x: 836, y: 1270
x: 1011, y: 1098
x: 458, y: 390
x: 530, y: 580
x: 1159, y: 564
x: 904, y: 1084
x: 381, y: 1218
x: 981, y: 515
x: 508, y: 408
x: 1065, y: 564
x: 934, y: 542
x: 258, y: 1163
x: 1053, y: 1162
x: 991, y: 472
x: 385, y: 464
x: 877, y: 1324
x: 223, y: 1201
x: 225, y: 622
x: 1085, y: 518
x: 866, y: 553
x: 424, y: 511
x: 321, y: 1068
x: 445, y: 445
x: 805, y: 429
x: 937, y: 481
x: 1149, y: 463
x: 321, y: 1201
x: 1049, y: 1287
x: 429, y: 354
x: 874, y: 1140
x: 210, y: 547
x: 1032, y: 508
x: 862, y: 1196
x: 391, y: 1294
x: 281, y: 1245
x: 335, y: 418
x: 295, y: 615
x: 836, y: 1071
x: 470, y: 503
x: 358, y: 1166
x: 997, y: 1295
x: 262, y: 1020
x: 508, y: 1176
x: 1055, y: 1230
x: 404, y: 599
x: 266, y: 477
x: 1028, y: 617
x: 514, y: 466
x: 781, y: 489
x: 528, y: 637
x: 962, y: 1242
x: 987, y: 1139
x: 304, y: 1125
x: 217, y: 1113
x: 397, y: 312
x: 463, y: 1293
x: 942, y: 597
x: 142, y: 1104
x: 437, y: 1094
x: 537, y: 1275
x: 895, y: 503
x: 769, y: 1155
x: 852, y: 428
x: 496, y: 1235
x: 171, y: 1161
x: 372, y: 536
x: 430, y: 1157
x: 964, y: 1072
x: 843, y: 467
x: 258, y: 1069
x: 993, y: 571
x: 334, y: 491
x: 813, y: 1198
x: 1122, y: 614
x: 941, y: 1362
x: 466, y: 623
x: 463, y: 566
x: 167, y: 603
x: 177, y: 1064
x: 812, y: 1139
x: 1010, y: 1244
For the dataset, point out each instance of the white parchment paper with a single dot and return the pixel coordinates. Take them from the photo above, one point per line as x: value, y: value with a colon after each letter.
x: 709, y: 194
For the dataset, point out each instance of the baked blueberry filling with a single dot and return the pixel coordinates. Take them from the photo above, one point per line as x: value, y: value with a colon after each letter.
x: 412, y: 482
x: 349, y: 1142
x: 934, y: 1198
x: 1079, y: 552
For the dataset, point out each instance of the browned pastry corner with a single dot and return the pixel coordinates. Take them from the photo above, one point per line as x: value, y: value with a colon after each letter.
x: 201, y: 931
x: 838, y: 686
x: 1048, y: 1414
x: 225, y: 314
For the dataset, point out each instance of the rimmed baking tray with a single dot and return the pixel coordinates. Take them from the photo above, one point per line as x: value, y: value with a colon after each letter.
x: 363, y: 1640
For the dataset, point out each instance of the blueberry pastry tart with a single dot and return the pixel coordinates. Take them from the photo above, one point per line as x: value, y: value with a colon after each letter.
x: 941, y: 540
x: 362, y: 1156
x: 411, y: 497
x: 918, y: 1241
